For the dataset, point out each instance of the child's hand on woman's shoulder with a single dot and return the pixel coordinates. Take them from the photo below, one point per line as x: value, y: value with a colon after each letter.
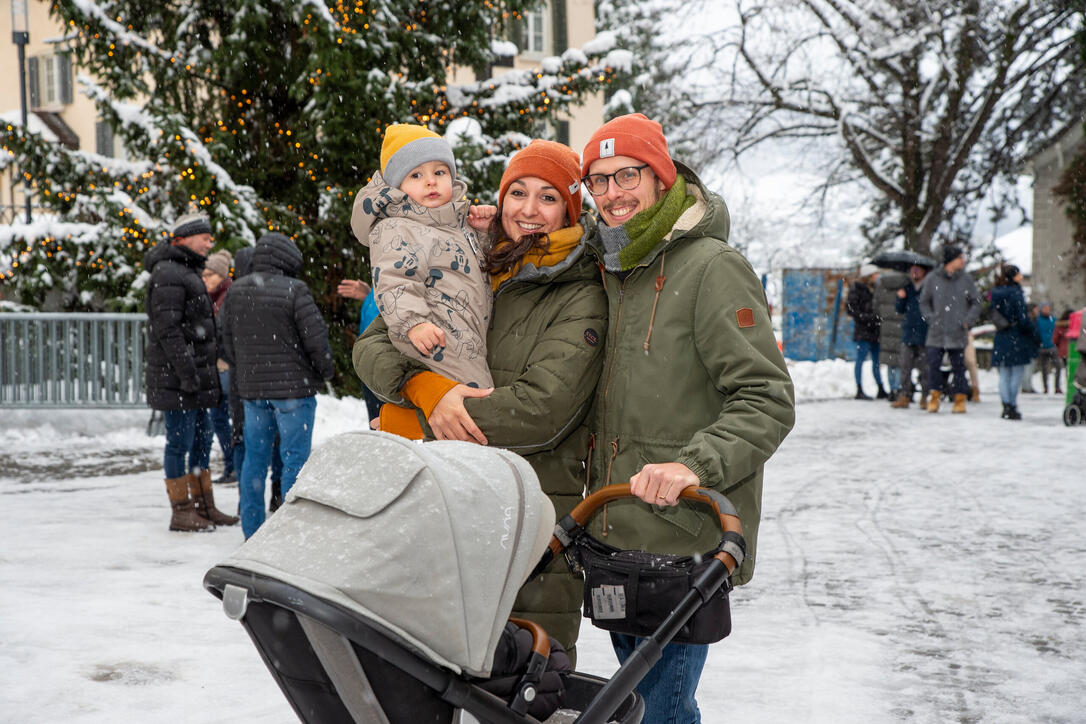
x: 479, y: 217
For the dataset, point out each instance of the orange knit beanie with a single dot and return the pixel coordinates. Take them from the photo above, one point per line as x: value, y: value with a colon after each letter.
x: 632, y: 135
x: 555, y: 163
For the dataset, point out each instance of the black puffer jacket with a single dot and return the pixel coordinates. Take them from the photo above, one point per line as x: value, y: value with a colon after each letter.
x: 861, y: 307
x: 273, y: 333
x: 181, y: 346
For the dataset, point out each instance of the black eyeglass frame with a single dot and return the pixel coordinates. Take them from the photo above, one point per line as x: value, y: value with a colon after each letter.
x: 608, y: 177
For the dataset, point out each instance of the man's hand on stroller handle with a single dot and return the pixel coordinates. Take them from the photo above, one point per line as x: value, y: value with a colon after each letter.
x: 450, y: 419
x: 662, y: 483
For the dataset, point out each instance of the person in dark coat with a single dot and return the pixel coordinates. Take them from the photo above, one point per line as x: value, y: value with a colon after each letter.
x: 216, y: 277
x: 914, y: 333
x: 181, y: 377
x: 1017, y: 345
x: 861, y: 307
x: 276, y: 339
x: 886, y: 289
x: 950, y: 305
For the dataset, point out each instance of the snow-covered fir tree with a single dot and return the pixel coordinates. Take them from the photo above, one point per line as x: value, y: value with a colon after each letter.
x: 266, y: 114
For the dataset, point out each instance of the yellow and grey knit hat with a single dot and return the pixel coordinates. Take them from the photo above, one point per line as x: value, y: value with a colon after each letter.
x: 408, y: 146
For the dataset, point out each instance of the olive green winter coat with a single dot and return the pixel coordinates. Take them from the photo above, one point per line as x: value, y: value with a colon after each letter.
x: 693, y: 375
x: 545, y: 351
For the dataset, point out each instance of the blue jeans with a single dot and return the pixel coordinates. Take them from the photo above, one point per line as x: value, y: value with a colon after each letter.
x: 669, y: 687
x: 862, y: 350
x: 293, y: 420
x: 893, y: 377
x: 220, y: 421
x: 188, y: 442
x: 1010, y: 381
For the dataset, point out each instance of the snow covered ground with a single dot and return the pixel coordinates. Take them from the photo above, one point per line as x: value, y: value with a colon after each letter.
x: 912, y: 567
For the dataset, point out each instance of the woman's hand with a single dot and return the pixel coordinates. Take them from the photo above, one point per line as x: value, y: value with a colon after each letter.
x: 662, y: 483
x: 353, y: 289
x: 450, y: 419
x: 479, y: 216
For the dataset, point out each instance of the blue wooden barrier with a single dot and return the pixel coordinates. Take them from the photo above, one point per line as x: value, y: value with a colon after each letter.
x: 814, y: 324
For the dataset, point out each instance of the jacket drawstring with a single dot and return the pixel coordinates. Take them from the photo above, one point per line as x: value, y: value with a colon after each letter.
x: 614, y: 454
x: 588, y: 460
x: 659, y: 287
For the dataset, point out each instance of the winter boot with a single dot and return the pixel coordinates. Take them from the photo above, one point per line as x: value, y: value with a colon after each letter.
x: 959, y: 403
x: 902, y: 402
x: 184, y: 516
x: 924, y: 401
x: 276, y: 496
x: 860, y: 394
x: 933, y: 401
x: 228, y: 477
x: 1006, y: 414
x: 882, y: 394
x: 975, y: 397
x: 203, y: 494
x: 1013, y: 413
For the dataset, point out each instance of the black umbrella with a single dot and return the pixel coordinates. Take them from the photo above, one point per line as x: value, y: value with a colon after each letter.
x: 902, y: 260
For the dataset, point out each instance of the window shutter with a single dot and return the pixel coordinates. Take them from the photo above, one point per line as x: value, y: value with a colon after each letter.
x: 559, y: 34
x: 103, y: 133
x: 64, y: 71
x: 33, y: 91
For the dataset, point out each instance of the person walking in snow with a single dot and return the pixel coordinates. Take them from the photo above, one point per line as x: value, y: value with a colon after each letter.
x: 216, y: 277
x: 695, y: 391
x: 914, y: 334
x: 860, y: 305
x: 1014, y: 347
x: 1048, y: 357
x: 889, y: 283
x: 950, y: 305
x: 276, y: 339
x: 181, y: 377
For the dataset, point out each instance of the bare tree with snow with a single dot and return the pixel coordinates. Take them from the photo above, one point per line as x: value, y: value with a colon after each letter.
x: 931, y: 104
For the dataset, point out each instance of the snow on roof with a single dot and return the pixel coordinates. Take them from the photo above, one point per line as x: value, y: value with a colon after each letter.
x: 15, y: 118
x: 1017, y: 247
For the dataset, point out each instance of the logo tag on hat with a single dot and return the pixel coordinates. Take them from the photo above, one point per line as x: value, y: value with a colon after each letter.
x: 607, y: 148
x: 574, y: 186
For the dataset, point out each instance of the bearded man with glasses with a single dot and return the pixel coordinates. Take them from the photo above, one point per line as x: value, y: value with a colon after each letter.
x: 694, y: 392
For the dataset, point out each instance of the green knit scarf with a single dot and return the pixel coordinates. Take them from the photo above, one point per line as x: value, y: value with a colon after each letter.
x: 648, y: 227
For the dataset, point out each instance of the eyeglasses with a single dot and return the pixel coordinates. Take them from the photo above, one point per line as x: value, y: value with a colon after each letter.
x: 627, y: 179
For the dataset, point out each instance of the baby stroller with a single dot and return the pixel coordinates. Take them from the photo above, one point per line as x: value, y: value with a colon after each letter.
x: 380, y: 591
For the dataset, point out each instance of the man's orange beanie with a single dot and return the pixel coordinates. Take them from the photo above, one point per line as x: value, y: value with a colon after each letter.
x: 555, y: 163
x: 632, y: 135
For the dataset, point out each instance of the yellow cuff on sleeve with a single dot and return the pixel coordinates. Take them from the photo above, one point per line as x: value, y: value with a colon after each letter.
x: 426, y: 389
x: 402, y: 421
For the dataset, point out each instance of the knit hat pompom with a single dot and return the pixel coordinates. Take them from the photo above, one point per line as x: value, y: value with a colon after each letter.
x: 555, y: 163
x: 950, y: 253
x: 191, y: 225
x: 407, y: 146
x: 220, y: 263
x: 636, y: 136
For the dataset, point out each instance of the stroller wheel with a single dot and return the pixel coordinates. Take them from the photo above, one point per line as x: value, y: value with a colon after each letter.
x: 1072, y: 415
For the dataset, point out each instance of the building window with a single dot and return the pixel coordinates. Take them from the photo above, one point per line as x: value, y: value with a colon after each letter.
x: 533, y: 33
x: 50, y: 81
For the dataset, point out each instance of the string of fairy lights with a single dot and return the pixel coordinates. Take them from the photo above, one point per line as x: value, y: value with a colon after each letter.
x: 350, y: 20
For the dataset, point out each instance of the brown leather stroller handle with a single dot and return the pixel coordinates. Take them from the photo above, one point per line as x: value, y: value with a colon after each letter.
x: 725, y: 511
x: 541, y: 641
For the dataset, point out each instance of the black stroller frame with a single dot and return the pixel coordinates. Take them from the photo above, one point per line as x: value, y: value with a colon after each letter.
x: 335, y: 667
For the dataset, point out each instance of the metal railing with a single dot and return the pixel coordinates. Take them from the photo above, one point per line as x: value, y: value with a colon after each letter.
x: 72, y: 360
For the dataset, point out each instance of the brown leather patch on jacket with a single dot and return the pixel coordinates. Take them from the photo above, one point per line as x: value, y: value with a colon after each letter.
x: 745, y: 317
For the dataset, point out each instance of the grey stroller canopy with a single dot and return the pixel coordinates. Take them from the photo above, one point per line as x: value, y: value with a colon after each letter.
x: 428, y: 541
